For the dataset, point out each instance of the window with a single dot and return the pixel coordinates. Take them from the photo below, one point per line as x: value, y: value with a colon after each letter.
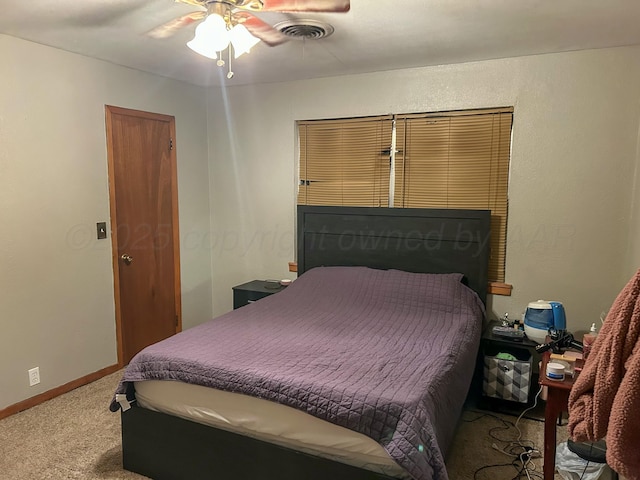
x: 345, y: 162
x: 438, y: 160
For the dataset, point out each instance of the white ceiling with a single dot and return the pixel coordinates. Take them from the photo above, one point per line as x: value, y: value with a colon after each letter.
x: 375, y: 35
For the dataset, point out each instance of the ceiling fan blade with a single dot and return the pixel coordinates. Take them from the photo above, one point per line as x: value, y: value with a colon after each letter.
x: 260, y: 29
x: 197, y: 3
x: 171, y: 27
x: 306, y: 5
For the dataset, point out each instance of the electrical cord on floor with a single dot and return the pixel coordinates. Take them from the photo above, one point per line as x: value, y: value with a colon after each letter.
x: 535, y: 404
x: 486, y: 467
x: 585, y: 470
x: 521, y: 472
x: 587, y: 464
x: 521, y: 450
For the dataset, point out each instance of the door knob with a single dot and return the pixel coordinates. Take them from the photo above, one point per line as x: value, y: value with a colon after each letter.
x: 126, y: 258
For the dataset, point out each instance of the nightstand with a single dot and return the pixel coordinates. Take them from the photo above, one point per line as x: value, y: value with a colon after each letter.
x: 489, y: 340
x: 527, y: 360
x: 252, y: 291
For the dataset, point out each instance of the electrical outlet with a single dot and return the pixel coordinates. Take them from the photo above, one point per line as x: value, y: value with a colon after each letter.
x: 34, y: 376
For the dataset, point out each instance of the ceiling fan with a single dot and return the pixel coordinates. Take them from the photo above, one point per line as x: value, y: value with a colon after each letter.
x: 225, y: 22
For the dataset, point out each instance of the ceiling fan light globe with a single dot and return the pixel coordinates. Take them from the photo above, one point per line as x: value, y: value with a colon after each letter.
x: 242, y: 40
x: 202, y: 48
x: 213, y: 31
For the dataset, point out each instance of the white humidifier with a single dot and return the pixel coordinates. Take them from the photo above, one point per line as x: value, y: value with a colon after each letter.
x: 540, y: 317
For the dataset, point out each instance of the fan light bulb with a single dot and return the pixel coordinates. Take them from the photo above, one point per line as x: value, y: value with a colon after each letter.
x: 202, y: 48
x: 211, y: 36
x: 241, y: 40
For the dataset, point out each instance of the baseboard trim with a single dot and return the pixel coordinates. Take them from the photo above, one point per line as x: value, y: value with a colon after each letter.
x: 56, y: 392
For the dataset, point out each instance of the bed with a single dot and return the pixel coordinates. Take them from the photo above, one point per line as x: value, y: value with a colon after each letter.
x: 357, y: 371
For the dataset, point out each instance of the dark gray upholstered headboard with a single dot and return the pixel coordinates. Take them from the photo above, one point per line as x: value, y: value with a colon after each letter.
x: 410, y: 239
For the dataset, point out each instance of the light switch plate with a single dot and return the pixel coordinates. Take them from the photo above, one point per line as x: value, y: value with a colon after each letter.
x: 101, y: 228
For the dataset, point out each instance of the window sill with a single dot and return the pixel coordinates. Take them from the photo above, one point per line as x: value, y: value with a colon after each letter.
x: 495, y: 288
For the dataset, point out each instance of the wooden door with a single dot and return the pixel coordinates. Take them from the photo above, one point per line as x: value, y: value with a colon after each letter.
x: 144, y: 228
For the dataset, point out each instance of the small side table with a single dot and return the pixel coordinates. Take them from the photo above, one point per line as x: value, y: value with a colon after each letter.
x: 492, y: 344
x: 491, y: 340
x: 557, y: 402
x: 251, y: 292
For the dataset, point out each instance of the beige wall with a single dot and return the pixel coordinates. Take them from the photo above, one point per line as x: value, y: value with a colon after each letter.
x: 572, y: 230
x: 632, y: 263
x: 56, y: 279
x: 574, y: 154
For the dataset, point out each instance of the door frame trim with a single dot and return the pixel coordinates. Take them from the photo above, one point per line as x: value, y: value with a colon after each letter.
x: 111, y: 110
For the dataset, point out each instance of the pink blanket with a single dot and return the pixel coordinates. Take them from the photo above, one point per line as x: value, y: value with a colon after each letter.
x: 605, y: 399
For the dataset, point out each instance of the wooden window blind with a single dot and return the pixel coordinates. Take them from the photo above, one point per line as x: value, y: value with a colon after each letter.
x: 457, y: 161
x: 345, y: 162
x: 442, y: 160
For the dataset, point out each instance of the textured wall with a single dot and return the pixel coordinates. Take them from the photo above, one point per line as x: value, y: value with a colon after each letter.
x: 573, y: 160
x: 632, y: 263
x: 56, y: 279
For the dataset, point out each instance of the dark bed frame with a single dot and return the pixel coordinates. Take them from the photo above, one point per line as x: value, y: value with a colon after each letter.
x: 162, y: 446
x: 411, y: 239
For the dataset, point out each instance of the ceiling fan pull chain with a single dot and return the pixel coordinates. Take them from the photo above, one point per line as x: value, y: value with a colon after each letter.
x: 230, y: 72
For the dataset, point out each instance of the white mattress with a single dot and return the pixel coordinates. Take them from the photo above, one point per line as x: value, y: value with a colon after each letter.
x: 266, y: 420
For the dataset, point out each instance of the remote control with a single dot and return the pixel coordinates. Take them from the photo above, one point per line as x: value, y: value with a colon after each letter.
x: 508, y: 332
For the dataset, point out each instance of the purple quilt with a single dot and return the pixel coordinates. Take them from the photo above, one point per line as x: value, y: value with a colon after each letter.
x: 389, y: 354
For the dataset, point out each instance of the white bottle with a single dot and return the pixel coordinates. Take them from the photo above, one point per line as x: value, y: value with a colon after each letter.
x: 588, y: 340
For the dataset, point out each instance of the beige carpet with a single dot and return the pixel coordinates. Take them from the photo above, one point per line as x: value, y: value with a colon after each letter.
x: 76, y: 437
